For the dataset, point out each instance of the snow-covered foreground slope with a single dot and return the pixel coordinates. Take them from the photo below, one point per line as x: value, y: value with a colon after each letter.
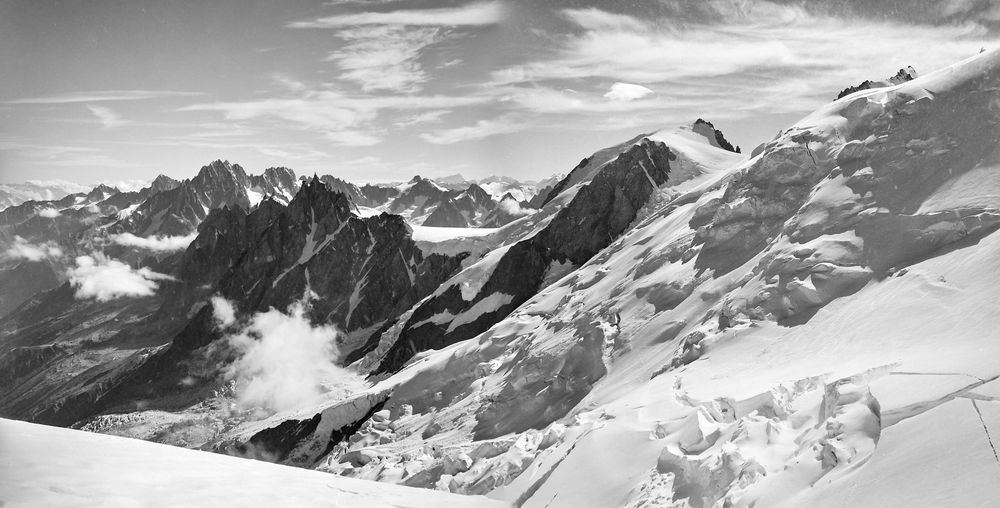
x: 54, y: 467
x: 814, y: 326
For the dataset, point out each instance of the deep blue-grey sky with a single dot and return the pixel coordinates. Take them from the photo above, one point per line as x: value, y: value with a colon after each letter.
x: 108, y: 90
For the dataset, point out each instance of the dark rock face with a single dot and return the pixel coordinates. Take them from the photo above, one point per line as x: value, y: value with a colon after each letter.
x: 353, y: 193
x: 469, y: 208
x: 274, y: 444
x: 280, y: 444
x: 902, y: 76
x: 363, y: 272
x: 448, y: 215
x: 708, y: 130
x: 518, y: 274
x: 275, y: 182
x: 423, y: 195
x: 540, y: 197
x: 162, y: 183
x: 609, y: 203
x: 376, y: 195
x: 589, y: 167
x: 178, y: 211
x: 601, y: 211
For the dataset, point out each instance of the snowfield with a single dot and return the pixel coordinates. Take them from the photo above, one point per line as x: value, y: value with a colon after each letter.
x: 440, y: 234
x: 781, y: 331
x: 815, y: 325
x: 54, y: 467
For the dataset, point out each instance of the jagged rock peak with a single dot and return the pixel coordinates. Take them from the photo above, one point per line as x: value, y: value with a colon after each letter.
x: 715, y: 136
x: 280, y: 176
x: 102, y: 191
x: 477, y: 193
x: 905, y: 74
x: 163, y: 182
x: 316, y: 196
x: 219, y: 170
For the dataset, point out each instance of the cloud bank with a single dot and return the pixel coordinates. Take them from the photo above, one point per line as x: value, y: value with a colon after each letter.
x: 154, y: 243
x: 107, y: 279
x: 284, y: 361
x: 25, y: 250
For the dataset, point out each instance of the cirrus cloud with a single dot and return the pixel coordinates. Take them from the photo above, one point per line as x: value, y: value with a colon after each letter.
x: 483, y: 13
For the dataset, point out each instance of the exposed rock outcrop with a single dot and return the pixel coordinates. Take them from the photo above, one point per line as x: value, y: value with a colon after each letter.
x: 902, y: 76
x: 601, y: 210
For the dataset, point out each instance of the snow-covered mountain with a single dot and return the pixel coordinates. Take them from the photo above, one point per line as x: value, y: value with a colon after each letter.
x: 12, y: 194
x: 178, y: 211
x: 426, y: 202
x: 676, y: 324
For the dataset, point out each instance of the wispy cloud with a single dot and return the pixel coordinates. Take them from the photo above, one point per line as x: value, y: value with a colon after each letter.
x: 480, y: 130
x: 731, y: 60
x: 342, y: 119
x: 289, y: 82
x: 319, y: 114
x: 154, y: 243
x: 421, y: 118
x: 45, y: 151
x: 384, y: 57
x: 22, y: 249
x: 102, y: 96
x: 483, y: 13
x: 381, y: 50
x: 63, y: 156
x: 108, y: 118
x: 107, y: 279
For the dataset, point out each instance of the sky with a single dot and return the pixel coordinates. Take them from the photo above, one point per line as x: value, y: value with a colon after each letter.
x: 381, y: 90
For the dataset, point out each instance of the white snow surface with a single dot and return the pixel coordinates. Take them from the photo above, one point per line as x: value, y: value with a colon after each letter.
x: 584, y: 395
x: 55, y: 467
x: 440, y: 234
x: 617, y: 385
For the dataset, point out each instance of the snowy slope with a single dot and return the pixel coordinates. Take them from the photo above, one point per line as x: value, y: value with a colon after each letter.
x: 440, y: 234
x: 791, y: 331
x: 53, y: 467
